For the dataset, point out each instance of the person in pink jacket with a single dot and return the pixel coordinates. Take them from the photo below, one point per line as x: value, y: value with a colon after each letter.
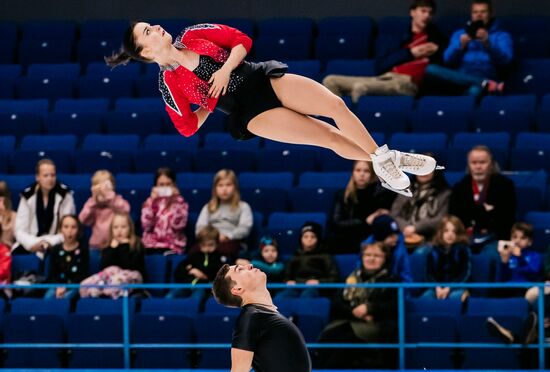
x: 101, y: 206
x: 164, y: 216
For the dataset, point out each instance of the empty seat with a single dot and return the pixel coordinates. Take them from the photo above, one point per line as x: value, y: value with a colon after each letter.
x: 151, y: 160
x: 139, y: 105
x: 31, y: 106
x: 350, y: 67
x: 45, y: 51
x: 324, y: 179
x: 316, y: 199
x: 54, y: 70
x: 78, y: 124
x: 81, y: 106
x: 293, y: 160
x: 65, y: 142
x: 283, y: 220
x: 266, y: 200
x: 89, y: 50
x: 88, y: 161
x: 20, y: 125
x: 281, y: 180
x: 170, y: 142
x: 48, y: 30
x: 285, y: 38
x: 412, y: 142
x: 210, y: 160
x: 142, y: 124
x: 104, y: 87
x: 343, y: 38
x: 224, y: 141
x: 50, y: 88
x: 108, y: 142
x: 24, y: 161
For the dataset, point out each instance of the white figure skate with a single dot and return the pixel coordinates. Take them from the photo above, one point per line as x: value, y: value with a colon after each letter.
x: 417, y: 164
x: 385, y: 167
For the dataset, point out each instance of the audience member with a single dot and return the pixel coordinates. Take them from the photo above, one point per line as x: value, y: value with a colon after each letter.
x: 122, y: 261
x: 40, y: 207
x: 355, y: 207
x: 99, y: 209
x: 484, y: 200
x: 477, y: 53
x: 164, y: 216
x: 402, y: 58
x: 362, y: 314
x: 7, y: 216
x: 267, y: 260
x: 227, y: 213
x: 68, y: 260
x: 311, y: 264
x: 450, y: 259
x: 385, y: 231
x: 419, y: 216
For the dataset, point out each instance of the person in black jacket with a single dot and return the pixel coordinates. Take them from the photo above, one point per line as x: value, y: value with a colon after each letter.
x: 402, y: 58
x: 484, y: 200
x: 362, y: 314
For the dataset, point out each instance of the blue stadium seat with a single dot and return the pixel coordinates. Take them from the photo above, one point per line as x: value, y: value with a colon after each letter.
x: 386, y: 122
x: 88, y: 161
x: 389, y: 28
x: 151, y: 160
x: 324, y: 179
x: 188, y: 307
x: 536, y: 179
x: 224, y: 141
x: 9, y: 34
x: 307, y: 68
x: 139, y: 105
x: 296, y: 161
x: 109, y: 142
x: 284, y: 38
x: 48, y: 30
x: 159, y: 329
x: 211, y: 160
x: 530, y: 34
x: 535, y: 141
x: 543, y: 115
x: 214, y: 329
x: 156, y: 266
x: 281, y: 180
x: 102, y: 28
x: 350, y: 67
x: 22, y: 263
x: 78, y: 124
x: 135, y: 180
x: 529, y: 198
x: 194, y: 180
x: 54, y: 70
x: 76, y: 181
x: 346, y: 263
x: 538, y: 219
x: 428, y: 306
x: 100, y: 69
x: 20, y: 125
x: 266, y: 200
x: 508, y: 120
x: 95, y: 260
x: 418, y: 268
x: 94, y: 49
x: 142, y: 124
x: 529, y: 159
x: 17, y: 183
x: 483, y: 271
x: 196, y: 197
x: 170, y: 142
x: 311, y: 315
x: 343, y: 37
x: 24, y: 161
x: 288, y: 220
x: 65, y: 142
x: 499, y: 140
x: 103, y: 306
x: 147, y: 86
x: 315, y: 199
x: 530, y: 76
x: 82, y: 106
x: 449, y: 122
x: 10, y: 70
x: 331, y: 162
x: 34, y: 306
x: 4, y: 161
x: 7, y: 88
x: 19, y: 106
x: 522, y: 102
x: 45, y: 51
x: 50, y: 88
x: 104, y: 87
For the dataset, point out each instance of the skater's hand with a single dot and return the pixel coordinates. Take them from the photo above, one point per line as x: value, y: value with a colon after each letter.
x: 219, y: 82
x: 360, y: 311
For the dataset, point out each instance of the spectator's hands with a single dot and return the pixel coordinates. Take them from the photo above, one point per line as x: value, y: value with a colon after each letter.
x: 360, y: 311
x: 375, y: 214
x: 516, y: 251
x: 40, y: 246
x: 483, y: 36
x: 114, y: 243
x: 312, y: 281
x: 291, y: 282
x: 409, y: 230
x: 505, y: 248
x: 219, y: 82
x: 430, y: 48
x: 424, y: 50
x: 488, y: 207
x: 175, y: 191
x: 60, y: 292
x: 2, y: 206
x: 224, y: 238
x: 464, y: 40
x: 442, y: 293
x: 197, y: 273
x: 154, y: 193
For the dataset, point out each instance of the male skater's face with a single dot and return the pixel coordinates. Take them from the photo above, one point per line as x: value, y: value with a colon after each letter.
x: 246, y: 277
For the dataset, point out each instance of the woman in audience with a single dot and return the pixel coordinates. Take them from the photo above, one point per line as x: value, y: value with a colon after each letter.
x: 7, y: 216
x: 419, y: 216
x: 40, y: 207
x: 362, y: 314
x: 450, y: 259
x: 164, y: 216
x: 68, y: 260
x: 227, y: 213
x: 122, y: 261
x: 355, y: 207
x: 99, y: 209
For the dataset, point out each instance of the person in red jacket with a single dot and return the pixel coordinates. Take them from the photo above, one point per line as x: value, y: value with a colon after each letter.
x: 204, y: 66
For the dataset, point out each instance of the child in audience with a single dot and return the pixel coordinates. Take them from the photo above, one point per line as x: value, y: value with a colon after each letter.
x: 99, y: 209
x: 68, y: 260
x: 267, y: 260
x: 450, y: 259
x: 227, y: 213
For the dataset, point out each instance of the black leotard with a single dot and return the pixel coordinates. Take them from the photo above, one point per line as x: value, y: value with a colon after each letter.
x: 276, y: 342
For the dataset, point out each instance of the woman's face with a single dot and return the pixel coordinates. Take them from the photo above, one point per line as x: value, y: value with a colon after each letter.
x: 152, y: 38
x: 225, y: 189
x: 373, y: 258
x: 121, y: 228
x: 449, y: 234
x: 361, y: 174
x: 46, y: 177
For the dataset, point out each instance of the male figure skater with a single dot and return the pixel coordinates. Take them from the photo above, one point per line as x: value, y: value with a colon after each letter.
x: 262, y: 337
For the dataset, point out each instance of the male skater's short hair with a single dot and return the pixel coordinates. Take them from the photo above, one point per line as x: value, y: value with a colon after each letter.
x: 221, y: 289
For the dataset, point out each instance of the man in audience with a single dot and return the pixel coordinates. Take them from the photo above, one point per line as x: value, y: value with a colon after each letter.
x: 402, y: 58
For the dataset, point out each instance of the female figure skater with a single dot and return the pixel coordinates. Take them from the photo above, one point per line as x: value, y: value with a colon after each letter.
x: 205, y: 66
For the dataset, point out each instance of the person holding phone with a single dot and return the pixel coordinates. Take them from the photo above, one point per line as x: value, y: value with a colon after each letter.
x: 164, y: 216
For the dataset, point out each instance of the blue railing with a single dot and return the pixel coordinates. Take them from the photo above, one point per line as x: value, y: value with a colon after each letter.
x: 401, y: 344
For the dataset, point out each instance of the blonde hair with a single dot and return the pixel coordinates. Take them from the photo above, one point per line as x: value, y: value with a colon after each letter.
x: 460, y: 231
x: 224, y: 174
x: 132, y: 237
x: 494, y: 167
x: 350, y: 194
x: 102, y: 175
x: 41, y: 162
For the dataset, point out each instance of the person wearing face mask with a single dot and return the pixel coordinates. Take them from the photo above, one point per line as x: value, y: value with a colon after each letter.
x: 362, y: 314
x: 40, y: 208
x: 484, y: 200
x: 355, y: 207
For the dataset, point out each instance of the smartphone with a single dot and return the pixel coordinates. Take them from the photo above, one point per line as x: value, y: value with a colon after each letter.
x: 164, y: 191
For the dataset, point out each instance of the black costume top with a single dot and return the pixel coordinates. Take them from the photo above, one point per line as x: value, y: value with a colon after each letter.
x: 276, y: 342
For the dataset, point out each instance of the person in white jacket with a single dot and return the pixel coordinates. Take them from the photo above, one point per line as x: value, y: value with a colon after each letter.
x: 41, y: 207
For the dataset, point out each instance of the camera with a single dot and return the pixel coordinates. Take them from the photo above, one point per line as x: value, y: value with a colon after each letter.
x: 473, y: 26
x: 164, y: 191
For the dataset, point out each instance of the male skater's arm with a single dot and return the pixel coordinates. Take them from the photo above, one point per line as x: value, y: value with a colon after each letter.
x: 241, y: 360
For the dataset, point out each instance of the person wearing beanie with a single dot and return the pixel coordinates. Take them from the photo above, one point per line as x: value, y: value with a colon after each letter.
x: 311, y: 264
x: 385, y: 231
x: 267, y: 259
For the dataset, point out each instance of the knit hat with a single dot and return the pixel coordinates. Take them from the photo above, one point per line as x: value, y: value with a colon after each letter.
x: 268, y: 240
x: 314, y: 227
x: 384, y: 226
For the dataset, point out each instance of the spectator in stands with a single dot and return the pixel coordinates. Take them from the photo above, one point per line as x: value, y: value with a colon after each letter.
x: 419, y: 216
x: 122, y: 261
x: 227, y: 213
x: 484, y: 200
x: 402, y: 58
x: 362, y: 314
x: 200, y: 266
x: 40, y: 207
x: 311, y: 264
x: 477, y: 53
x: 7, y: 216
x: 5, y: 269
x: 68, y: 260
x: 519, y: 262
x: 267, y: 260
x: 99, y: 209
x: 355, y: 207
x: 385, y: 231
x: 164, y: 216
x: 450, y: 259
x: 532, y: 294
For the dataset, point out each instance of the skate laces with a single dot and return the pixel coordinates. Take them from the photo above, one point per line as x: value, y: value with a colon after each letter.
x: 408, y: 160
x: 390, y: 168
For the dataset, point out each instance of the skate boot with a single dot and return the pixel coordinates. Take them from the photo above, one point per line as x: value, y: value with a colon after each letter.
x: 417, y: 164
x: 385, y: 167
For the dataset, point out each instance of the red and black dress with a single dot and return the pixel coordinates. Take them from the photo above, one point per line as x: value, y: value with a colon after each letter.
x: 249, y: 90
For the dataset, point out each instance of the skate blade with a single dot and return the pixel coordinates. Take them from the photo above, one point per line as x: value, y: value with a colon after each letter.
x: 439, y: 167
x: 406, y: 192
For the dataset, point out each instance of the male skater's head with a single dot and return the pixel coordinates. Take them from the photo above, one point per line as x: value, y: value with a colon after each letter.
x: 238, y: 285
